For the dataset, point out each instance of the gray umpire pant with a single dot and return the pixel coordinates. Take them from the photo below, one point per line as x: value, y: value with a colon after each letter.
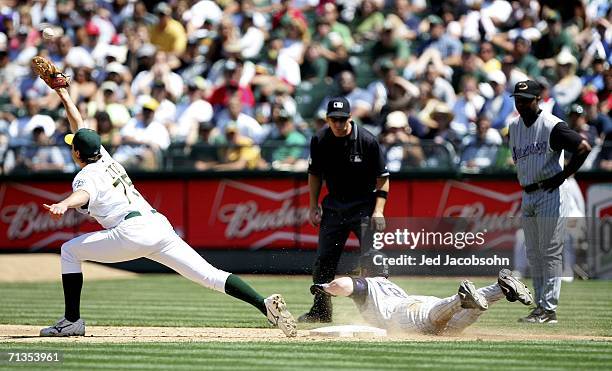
x: 544, y: 217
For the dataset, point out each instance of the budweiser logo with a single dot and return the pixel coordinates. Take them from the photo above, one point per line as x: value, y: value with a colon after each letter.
x: 26, y: 219
x: 487, y: 210
x: 491, y: 222
x: 245, y: 218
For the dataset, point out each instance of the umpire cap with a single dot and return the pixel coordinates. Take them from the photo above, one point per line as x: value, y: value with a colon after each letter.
x: 338, y: 107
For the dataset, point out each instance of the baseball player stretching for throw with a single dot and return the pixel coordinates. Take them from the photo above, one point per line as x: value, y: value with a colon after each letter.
x: 385, y: 305
x: 133, y: 229
x: 537, y: 141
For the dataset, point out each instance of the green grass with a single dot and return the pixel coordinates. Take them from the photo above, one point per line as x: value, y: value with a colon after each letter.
x: 328, y: 356
x: 169, y: 300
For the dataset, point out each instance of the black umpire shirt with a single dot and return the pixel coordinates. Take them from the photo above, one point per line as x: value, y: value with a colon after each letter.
x: 349, y: 165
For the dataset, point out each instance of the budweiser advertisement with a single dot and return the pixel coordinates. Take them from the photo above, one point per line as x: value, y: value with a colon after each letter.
x: 256, y: 213
x: 24, y: 223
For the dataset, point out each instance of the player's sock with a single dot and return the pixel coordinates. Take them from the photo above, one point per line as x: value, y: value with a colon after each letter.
x: 236, y: 287
x: 492, y: 293
x: 72, y: 283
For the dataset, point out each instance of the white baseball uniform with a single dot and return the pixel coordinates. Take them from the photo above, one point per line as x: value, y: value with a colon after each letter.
x: 133, y: 229
x: 543, y: 212
x: 387, y: 306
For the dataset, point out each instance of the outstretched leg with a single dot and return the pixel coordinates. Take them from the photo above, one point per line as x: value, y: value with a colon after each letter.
x: 179, y: 256
x: 507, y: 286
x: 467, y: 297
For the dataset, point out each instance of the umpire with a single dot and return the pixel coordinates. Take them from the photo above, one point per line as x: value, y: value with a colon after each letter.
x: 351, y: 162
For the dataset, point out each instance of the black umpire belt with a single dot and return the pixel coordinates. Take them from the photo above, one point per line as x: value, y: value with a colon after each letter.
x: 133, y: 214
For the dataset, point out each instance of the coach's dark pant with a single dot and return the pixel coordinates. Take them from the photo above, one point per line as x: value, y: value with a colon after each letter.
x: 336, y: 226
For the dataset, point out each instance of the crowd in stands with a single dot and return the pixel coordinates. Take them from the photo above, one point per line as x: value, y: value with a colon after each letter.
x: 243, y: 84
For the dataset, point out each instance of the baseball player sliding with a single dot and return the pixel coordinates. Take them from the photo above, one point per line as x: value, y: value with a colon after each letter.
x: 132, y: 228
x: 537, y: 140
x: 384, y: 304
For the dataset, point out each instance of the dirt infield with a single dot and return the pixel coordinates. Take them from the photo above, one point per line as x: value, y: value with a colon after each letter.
x: 47, y: 267
x: 103, y: 334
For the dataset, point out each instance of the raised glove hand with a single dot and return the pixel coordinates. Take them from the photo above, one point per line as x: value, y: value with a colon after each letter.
x: 50, y: 74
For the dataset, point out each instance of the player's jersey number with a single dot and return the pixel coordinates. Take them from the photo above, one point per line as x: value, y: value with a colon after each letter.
x: 120, y: 178
x: 390, y: 290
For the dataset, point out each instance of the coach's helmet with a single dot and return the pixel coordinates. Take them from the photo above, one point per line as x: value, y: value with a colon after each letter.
x: 372, y: 263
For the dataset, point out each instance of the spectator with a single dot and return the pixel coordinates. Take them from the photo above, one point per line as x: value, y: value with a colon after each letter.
x: 577, y: 121
x: 247, y: 126
x: 205, y: 153
x: 402, y: 149
x: 553, y: 40
x: 44, y: 157
x: 191, y: 111
x: 232, y: 71
x: 253, y: 38
x: 481, y: 149
x: 389, y: 46
x: 286, y: 149
x: 368, y: 21
x: 142, y: 138
x: 168, y: 34
x: 488, y: 56
x: 330, y: 14
x: 469, y: 104
x: 568, y: 86
x: 239, y: 153
x: 448, y: 46
x: 523, y: 59
x: 118, y: 112
x: 109, y: 134
x: 330, y: 46
x: 500, y: 105
x: 160, y: 72
x: 595, y: 118
x: 391, y: 92
x: 21, y: 128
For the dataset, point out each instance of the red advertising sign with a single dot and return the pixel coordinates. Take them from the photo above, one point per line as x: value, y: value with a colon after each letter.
x: 25, y: 224
x: 256, y: 213
x: 491, y: 206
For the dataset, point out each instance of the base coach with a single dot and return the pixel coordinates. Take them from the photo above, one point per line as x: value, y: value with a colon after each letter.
x: 350, y: 161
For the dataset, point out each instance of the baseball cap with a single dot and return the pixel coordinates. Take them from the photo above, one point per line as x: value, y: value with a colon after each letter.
x: 577, y: 109
x: 116, y: 67
x: 497, y: 76
x: 86, y: 141
x: 146, y: 50
x: 151, y: 104
x: 163, y: 8
x: 397, y: 119
x: 527, y: 89
x: 92, y: 29
x: 109, y: 85
x: 338, y: 107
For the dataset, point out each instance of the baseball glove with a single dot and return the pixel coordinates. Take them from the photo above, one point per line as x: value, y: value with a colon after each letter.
x: 50, y: 74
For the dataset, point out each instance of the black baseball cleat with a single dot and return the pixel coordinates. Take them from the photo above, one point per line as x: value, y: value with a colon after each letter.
x: 470, y: 297
x: 315, y: 317
x: 542, y: 316
x: 513, y: 288
x: 530, y: 318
